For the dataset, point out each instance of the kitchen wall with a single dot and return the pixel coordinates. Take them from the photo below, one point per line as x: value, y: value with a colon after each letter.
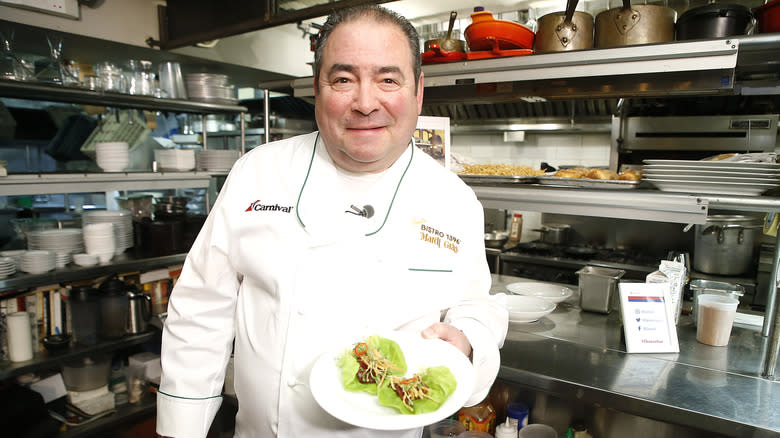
x: 587, y: 150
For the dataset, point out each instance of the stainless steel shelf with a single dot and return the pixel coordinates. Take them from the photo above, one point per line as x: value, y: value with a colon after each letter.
x: 50, y: 183
x: 638, y: 204
x: 31, y: 90
x: 20, y: 282
x: 581, y: 356
x: 47, y: 359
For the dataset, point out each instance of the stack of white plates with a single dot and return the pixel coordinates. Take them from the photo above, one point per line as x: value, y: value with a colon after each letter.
x: 66, y: 240
x: 717, y: 177
x: 15, y: 255
x: 7, y: 267
x: 100, y: 240
x: 61, y: 259
x: 112, y: 156
x: 123, y: 225
x: 217, y: 160
x: 209, y: 87
x: 38, y: 262
x: 175, y: 159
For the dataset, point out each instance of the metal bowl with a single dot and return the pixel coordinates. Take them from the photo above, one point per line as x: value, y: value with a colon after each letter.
x: 496, y: 239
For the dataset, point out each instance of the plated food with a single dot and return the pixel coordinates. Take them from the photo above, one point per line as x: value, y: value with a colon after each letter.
x: 424, y: 358
x: 602, y: 174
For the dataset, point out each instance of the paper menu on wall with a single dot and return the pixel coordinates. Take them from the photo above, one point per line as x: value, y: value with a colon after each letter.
x: 648, y: 318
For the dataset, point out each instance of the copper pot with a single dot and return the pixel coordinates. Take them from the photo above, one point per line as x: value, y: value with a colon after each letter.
x: 629, y: 25
x: 564, y: 31
x: 447, y: 44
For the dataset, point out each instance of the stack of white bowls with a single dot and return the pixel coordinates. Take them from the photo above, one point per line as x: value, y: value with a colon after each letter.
x: 220, y: 160
x: 123, y: 225
x: 38, y: 262
x: 175, y: 159
x: 113, y: 156
x: 100, y: 240
x: 7, y: 267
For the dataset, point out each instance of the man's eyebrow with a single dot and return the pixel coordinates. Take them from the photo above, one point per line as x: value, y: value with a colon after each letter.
x: 341, y: 68
x: 390, y: 69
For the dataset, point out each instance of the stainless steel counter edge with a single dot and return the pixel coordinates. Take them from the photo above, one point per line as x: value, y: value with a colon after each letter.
x: 581, y: 356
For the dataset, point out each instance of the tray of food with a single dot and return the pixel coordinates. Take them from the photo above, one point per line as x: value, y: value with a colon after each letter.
x: 492, y: 174
x: 592, y: 178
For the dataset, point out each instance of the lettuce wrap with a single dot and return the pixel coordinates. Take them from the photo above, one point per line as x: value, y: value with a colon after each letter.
x: 441, y: 383
x: 377, y: 348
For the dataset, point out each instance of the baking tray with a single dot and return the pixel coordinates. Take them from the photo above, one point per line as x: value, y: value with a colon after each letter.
x: 497, y: 179
x: 588, y: 183
x: 717, y: 188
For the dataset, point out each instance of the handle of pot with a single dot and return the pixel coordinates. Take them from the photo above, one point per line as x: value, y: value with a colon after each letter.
x: 571, y: 5
x: 147, y: 307
x: 626, y: 4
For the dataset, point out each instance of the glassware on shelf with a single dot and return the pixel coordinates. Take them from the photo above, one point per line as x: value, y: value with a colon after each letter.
x: 11, y: 67
x: 54, y: 70
x: 140, y: 78
x: 111, y: 77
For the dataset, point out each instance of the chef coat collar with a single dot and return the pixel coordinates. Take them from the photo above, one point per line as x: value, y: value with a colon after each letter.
x: 392, y: 200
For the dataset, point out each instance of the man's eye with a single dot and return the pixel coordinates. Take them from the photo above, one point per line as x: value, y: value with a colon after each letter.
x: 389, y: 83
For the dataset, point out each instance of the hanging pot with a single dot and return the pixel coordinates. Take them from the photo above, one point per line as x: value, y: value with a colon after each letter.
x: 714, y: 21
x: 768, y: 17
x: 630, y: 25
x: 564, y: 31
x: 446, y: 44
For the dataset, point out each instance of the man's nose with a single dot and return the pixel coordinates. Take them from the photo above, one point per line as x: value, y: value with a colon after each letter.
x: 366, y: 99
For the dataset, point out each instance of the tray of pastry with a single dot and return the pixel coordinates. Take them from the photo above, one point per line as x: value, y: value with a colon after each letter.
x: 592, y: 178
x: 497, y: 179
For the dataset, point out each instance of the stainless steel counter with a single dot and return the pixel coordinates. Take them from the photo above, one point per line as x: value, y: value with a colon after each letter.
x: 581, y: 355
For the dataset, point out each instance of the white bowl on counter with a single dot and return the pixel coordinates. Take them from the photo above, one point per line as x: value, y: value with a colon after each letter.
x: 550, y: 292
x: 524, y: 309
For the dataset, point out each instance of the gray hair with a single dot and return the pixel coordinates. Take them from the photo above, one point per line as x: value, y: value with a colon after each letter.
x: 380, y: 15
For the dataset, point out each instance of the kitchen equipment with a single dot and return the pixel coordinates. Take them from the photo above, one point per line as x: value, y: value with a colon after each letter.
x: 434, y: 55
x: 598, y: 288
x: 496, y: 239
x: 140, y: 78
x: 712, y: 287
x: 114, y: 309
x: 87, y: 373
x: 139, y: 312
x: 171, y: 80
x: 714, y: 21
x: 139, y: 204
x: 447, y: 44
x: 637, y: 24
x: 556, y: 234
x: 563, y: 31
x: 487, y: 33
x: 161, y: 237
x: 85, y: 314
x: 768, y: 17
x: 725, y: 244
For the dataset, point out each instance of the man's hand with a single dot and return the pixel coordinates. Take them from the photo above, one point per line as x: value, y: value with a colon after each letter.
x: 449, y: 334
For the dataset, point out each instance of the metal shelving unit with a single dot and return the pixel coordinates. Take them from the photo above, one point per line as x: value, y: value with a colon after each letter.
x: 51, y: 183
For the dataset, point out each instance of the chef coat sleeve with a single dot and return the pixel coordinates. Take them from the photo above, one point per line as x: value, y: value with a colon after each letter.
x: 481, y: 318
x: 198, y: 332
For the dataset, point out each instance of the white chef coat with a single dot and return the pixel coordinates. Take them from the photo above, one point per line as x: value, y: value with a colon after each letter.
x: 280, y: 267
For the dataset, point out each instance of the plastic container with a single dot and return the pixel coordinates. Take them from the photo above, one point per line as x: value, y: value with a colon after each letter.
x: 446, y: 428
x: 87, y: 373
x: 712, y: 287
x: 114, y: 309
x: 475, y: 434
x: 518, y: 411
x: 85, y: 310
x: 716, y: 317
x: 537, y: 431
x: 480, y: 417
x: 506, y: 430
x: 598, y: 288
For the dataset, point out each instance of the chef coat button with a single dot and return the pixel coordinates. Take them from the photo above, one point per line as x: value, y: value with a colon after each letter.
x: 291, y: 381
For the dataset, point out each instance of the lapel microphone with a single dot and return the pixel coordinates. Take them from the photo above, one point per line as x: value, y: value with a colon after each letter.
x: 367, y: 211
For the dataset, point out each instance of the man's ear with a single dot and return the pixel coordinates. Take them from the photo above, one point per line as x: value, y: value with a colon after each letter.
x: 419, y: 94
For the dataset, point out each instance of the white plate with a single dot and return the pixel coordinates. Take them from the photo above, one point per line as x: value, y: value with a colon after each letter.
x: 527, y: 309
x: 549, y: 292
x: 733, y: 188
x: 363, y: 410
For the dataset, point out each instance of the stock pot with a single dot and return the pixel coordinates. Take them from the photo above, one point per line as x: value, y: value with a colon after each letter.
x: 637, y: 24
x: 564, y: 31
x: 725, y: 244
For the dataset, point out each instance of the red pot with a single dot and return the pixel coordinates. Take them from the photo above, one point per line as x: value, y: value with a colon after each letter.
x: 768, y: 17
x: 487, y: 33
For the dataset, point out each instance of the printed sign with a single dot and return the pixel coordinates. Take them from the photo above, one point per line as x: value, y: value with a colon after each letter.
x: 648, y: 318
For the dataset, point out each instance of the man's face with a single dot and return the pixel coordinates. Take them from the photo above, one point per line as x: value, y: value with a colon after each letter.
x: 366, y: 103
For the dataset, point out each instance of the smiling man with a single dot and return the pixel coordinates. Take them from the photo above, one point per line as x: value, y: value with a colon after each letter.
x: 350, y: 231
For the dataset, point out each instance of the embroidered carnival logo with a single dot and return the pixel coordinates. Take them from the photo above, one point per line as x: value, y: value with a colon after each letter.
x: 257, y: 206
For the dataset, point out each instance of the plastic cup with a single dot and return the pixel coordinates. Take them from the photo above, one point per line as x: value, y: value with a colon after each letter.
x: 537, y: 431
x: 715, y: 319
x: 447, y: 428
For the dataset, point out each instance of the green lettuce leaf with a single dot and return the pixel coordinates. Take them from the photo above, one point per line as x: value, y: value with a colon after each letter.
x: 442, y: 383
x: 349, y: 364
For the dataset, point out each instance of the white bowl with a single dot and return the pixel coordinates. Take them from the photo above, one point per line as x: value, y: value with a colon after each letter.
x: 547, y: 291
x: 527, y: 309
x: 105, y: 257
x: 85, y: 259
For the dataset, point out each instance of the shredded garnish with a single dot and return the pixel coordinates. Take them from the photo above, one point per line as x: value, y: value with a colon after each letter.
x: 374, y: 367
x: 410, y: 389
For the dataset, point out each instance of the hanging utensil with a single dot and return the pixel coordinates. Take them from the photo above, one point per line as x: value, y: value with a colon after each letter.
x: 447, y: 44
